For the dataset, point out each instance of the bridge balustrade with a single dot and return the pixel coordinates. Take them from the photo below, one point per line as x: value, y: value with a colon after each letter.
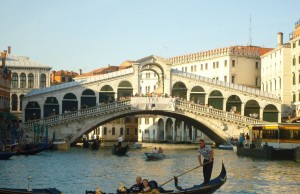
x: 211, y: 112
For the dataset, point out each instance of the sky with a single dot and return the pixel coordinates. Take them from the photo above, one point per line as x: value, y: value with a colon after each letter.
x: 91, y: 34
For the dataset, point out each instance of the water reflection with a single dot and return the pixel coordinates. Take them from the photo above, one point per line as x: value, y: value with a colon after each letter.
x: 80, y: 169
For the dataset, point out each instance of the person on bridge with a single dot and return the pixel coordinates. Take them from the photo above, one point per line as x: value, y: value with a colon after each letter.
x: 208, y: 162
x: 120, y: 140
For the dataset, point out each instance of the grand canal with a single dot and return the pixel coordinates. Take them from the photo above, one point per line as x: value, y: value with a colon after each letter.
x: 79, y: 169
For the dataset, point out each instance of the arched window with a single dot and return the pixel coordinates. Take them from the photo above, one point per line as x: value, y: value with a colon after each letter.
x: 14, y: 80
x: 21, y: 98
x: 113, y: 131
x: 22, y: 80
x: 43, y: 81
x: 105, y: 131
x: 30, y: 81
x: 14, y: 102
x: 121, y: 131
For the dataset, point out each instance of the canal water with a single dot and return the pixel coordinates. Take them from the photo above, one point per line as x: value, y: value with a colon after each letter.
x: 79, y: 169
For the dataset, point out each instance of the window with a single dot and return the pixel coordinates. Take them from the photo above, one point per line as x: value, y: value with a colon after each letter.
x: 195, y: 68
x: 256, y: 65
x: 294, y: 97
x: 105, y: 131
x: 21, y: 98
x: 127, y: 131
x: 63, y: 79
x: 121, y: 131
x: 233, y: 79
x: 225, y: 63
x: 294, y: 60
x: 147, y: 120
x: 22, y: 80
x: 113, y: 131
x: 206, y: 66
x: 225, y: 78
x: 30, y: 81
x: 182, y: 69
x: 43, y: 81
x: 147, y: 75
x: 213, y: 64
x: 233, y: 63
x: 217, y: 64
x: 185, y: 69
x: 201, y: 66
x: 14, y: 102
x: 135, y: 131
x: 192, y: 69
x: 294, y: 79
x: 14, y: 80
x: 136, y: 120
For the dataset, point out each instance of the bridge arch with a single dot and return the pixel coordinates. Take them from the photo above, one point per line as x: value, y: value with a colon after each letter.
x: 88, y: 98
x: 252, y: 107
x: 234, y: 103
x: 179, y: 89
x: 106, y: 94
x: 32, y: 111
x: 69, y: 103
x: 270, y: 113
x: 197, y: 95
x: 216, y: 99
x: 51, y: 107
x: 125, y: 89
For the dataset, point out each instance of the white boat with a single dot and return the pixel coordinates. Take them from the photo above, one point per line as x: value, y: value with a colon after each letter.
x: 60, y: 144
x: 226, y: 147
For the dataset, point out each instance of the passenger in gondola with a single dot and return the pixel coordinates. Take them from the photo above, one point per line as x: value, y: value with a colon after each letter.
x: 155, y: 150
x: 137, y: 187
x: 146, y: 188
x: 120, y: 140
x: 160, y: 150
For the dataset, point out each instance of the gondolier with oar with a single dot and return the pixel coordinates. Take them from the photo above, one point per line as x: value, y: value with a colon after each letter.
x: 208, y: 162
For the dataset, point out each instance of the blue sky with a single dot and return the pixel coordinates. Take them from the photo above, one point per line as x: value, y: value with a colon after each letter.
x: 90, y: 34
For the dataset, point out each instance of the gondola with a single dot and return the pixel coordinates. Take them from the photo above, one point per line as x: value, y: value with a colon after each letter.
x: 6, y: 155
x: 95, y: 144
x: 34, y: 149
x: 32, y: 191
x: 211, y: 187
x: 119, y: 151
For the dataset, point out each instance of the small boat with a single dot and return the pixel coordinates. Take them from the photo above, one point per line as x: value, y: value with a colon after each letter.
x: 154, y: 156
x: 225, y: 147
x: 137, y: 145
x: 6, y: 155
x: 33, y: 149
x: 30, y: 191
x: 210, y: 187
x: 120, y: 151
x: 60, y: 144
x: 86, y: 144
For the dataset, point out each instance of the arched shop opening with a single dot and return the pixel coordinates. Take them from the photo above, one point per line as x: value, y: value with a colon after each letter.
x: 179, y: 90
x: 216, y: 100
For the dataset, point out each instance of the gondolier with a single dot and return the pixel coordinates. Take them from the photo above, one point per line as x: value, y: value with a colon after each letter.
x: 208, y: 155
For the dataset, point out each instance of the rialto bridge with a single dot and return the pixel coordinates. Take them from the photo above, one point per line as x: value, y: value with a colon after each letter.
x: 75, y: 108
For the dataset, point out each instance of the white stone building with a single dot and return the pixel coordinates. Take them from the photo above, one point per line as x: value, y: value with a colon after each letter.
x: 26, y: 75
x: 295, y: 63
x: 276, y: 76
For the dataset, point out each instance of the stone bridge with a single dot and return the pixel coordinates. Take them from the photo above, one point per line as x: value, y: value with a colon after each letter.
x: 212, y: 122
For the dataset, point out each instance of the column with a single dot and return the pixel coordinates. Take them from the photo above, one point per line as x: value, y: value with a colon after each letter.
x: 243, y: 109
x: 193, y: 133
x: 173, y: 131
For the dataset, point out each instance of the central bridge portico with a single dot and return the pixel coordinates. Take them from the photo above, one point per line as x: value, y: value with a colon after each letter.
x: 223, y: 101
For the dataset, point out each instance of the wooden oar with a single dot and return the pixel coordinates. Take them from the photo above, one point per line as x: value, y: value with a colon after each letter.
x: 184, y: 173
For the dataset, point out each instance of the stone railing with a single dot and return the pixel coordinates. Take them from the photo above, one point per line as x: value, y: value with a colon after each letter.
x: 104, y: 109
x: 219, y: 114
x: 67, y: 117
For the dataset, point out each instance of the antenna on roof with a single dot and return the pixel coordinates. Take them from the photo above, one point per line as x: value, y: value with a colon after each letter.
x: 250, y: 37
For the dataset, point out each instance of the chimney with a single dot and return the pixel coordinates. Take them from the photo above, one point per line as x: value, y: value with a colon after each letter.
x: 279, y: 38
x: 3, y: 57
x: 79, y: 71
x: 9, y: 49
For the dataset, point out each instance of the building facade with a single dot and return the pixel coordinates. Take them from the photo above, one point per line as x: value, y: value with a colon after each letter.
x: 26, y: 75
x: 276, y: 74
x: 295, y: 61
x: 58, y: 77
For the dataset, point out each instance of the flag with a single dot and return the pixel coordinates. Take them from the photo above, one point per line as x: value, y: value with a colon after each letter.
x: 5, y: 73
